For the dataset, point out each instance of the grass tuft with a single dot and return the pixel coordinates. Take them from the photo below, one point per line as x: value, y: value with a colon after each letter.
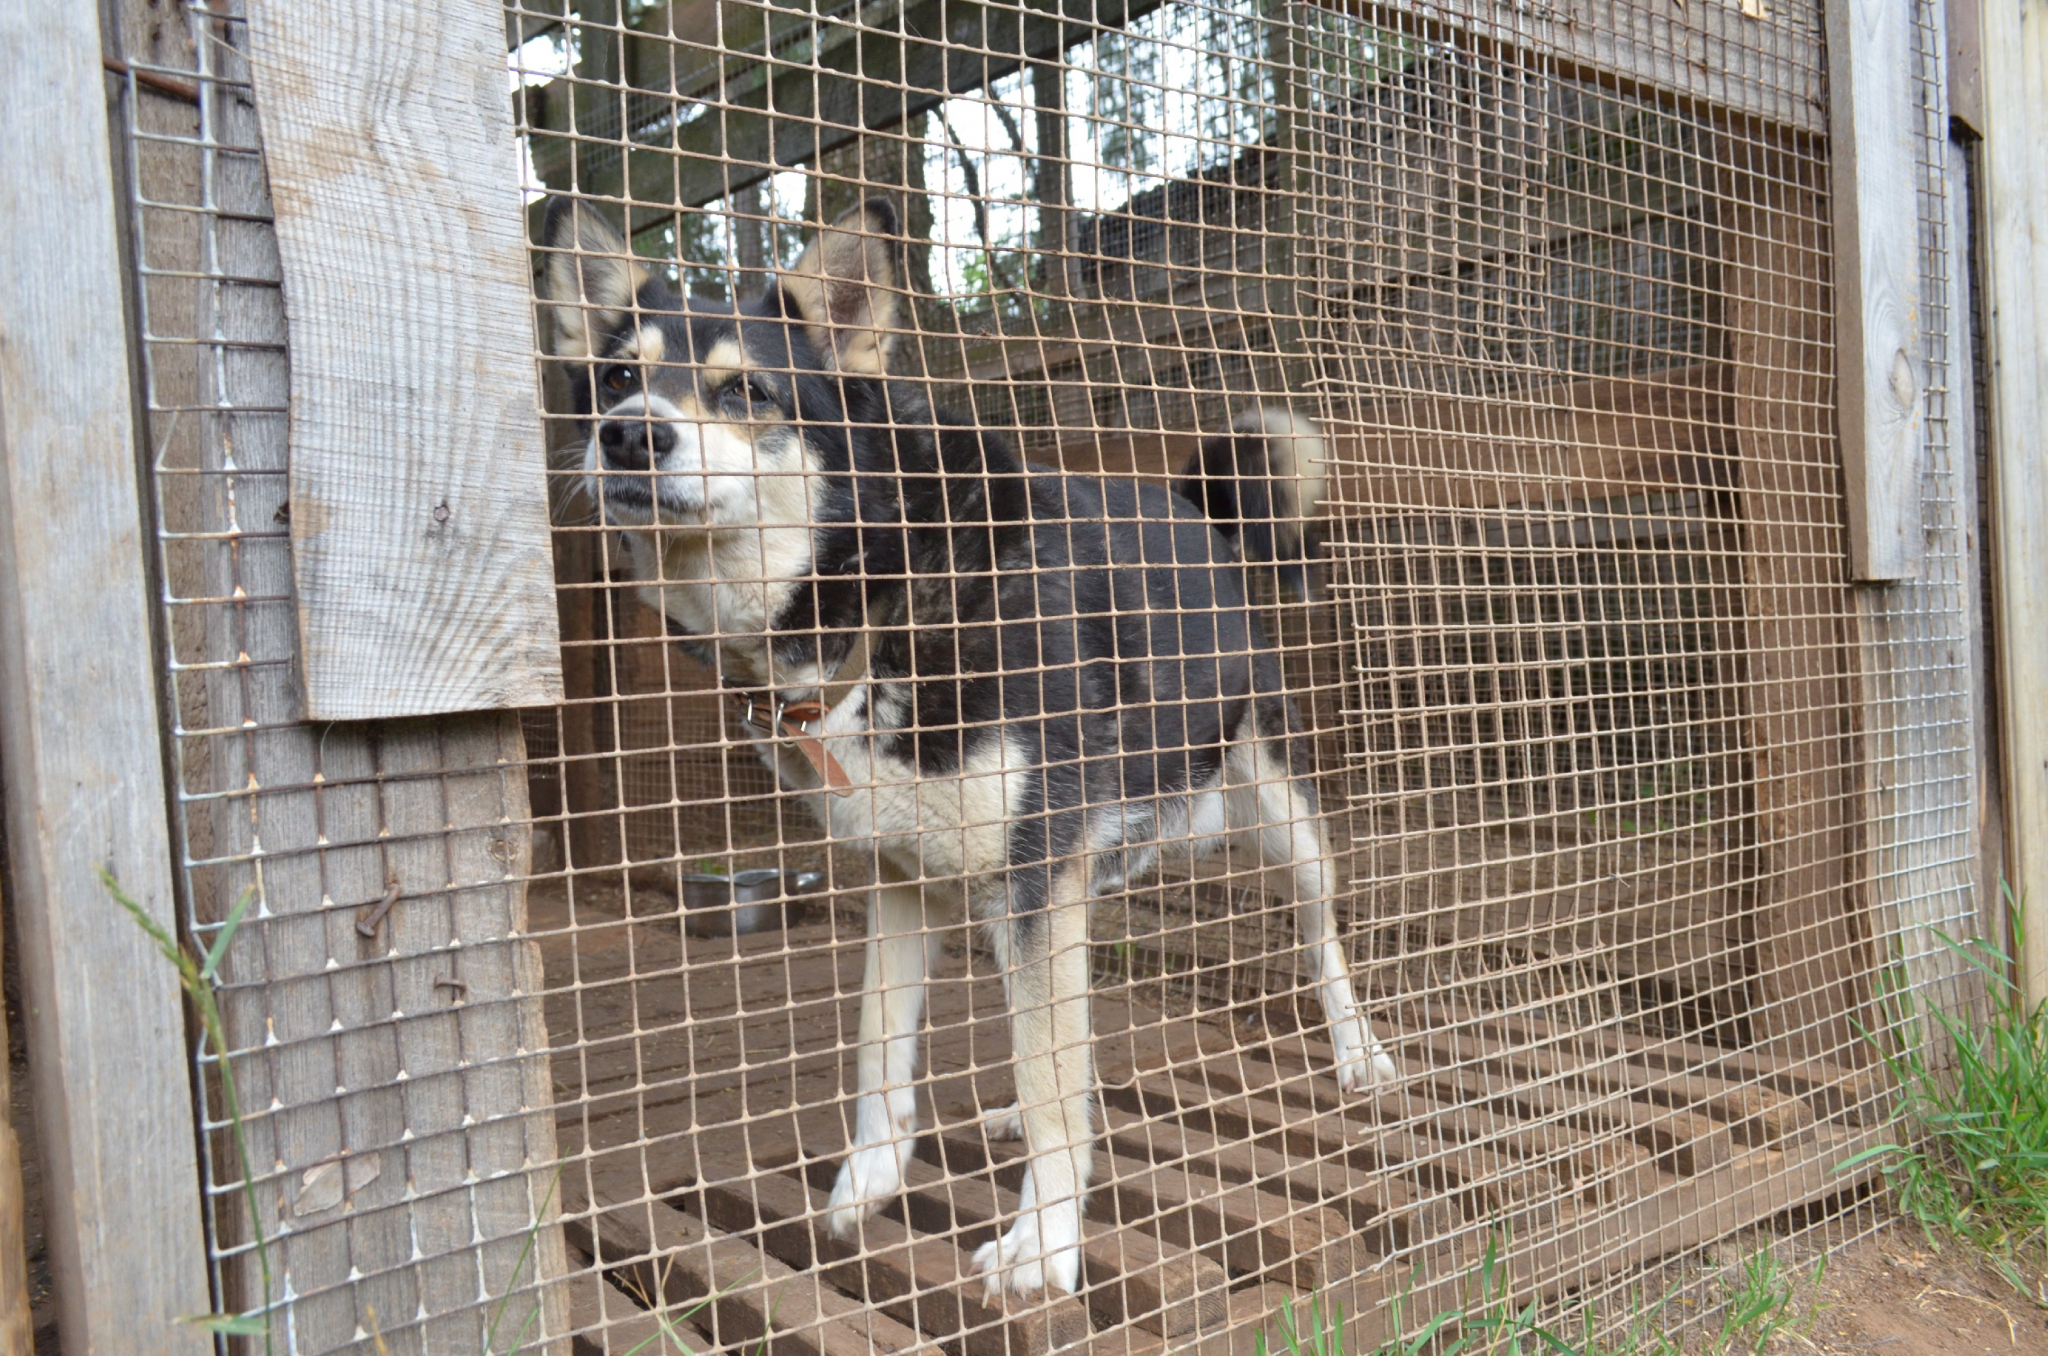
x: 1974, y: 1163
x: 198, y: 976
x: 1756, y: 1299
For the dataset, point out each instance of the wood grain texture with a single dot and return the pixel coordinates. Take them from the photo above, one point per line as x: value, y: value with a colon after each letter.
x: 1810, y: 956
x: 79, y: 734
x: 402, y: 1126
x: 1964, y: 58
x: 2015, y: 51
x: 1921, y: 685
x: 418, y: 505
x: 1874, y: 124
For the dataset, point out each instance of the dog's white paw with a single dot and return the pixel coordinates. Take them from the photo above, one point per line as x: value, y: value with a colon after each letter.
x: 1362, y: 1062
x: 1024, y: 1262
x: 1005, y: 1122
x: 870, y: 1176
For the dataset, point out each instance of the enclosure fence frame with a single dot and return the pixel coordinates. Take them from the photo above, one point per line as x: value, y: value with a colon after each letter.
x: 2015, y: 219
x: 80, y: 727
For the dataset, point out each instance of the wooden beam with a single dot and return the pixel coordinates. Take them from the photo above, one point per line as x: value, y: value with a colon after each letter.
x: 765, y: 105
x: 1965, y: 65
x: 2015, y: 234
x: 1713, y: 60
x: 1800, y: 690
x: 1603, y: 438
x: 420, y: 550
x: 728, y: 119
x: 1922, y: 688
x: 1875, y: 139
x: 80, y: 732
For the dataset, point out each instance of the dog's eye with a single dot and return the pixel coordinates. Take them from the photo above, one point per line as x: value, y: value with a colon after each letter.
x: 742, y: 396
x: 616, y: 378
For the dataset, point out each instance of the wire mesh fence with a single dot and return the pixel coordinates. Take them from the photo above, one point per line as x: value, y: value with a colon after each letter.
x: 973, y: 900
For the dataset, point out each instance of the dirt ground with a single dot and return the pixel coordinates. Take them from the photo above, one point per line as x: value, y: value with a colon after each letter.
x: 1895, y: 1294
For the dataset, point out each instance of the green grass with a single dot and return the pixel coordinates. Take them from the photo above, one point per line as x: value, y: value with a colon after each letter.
x: 198, y: 976
x: 1757, y: 1304
x: 1755, y: 1299
x: 1972, y: 1162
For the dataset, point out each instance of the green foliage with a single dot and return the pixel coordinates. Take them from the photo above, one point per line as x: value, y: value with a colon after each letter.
x: 1758, y: 1304
x: 1756, y: 1300
x: 1974, y: 1161
x: 1314, y: 1334
x: 198, y: 977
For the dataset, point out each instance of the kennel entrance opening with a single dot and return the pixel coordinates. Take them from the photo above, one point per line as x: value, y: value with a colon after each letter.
x: 1631, y: 789
x: 1577, y: 668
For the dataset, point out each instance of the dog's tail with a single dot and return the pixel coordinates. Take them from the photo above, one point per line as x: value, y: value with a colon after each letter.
x: 1260, y: 484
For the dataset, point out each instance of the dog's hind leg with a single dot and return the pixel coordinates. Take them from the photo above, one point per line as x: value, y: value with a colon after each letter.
x: 1044, y: 955
x: 891, y: 1017
x: 1267, y: 799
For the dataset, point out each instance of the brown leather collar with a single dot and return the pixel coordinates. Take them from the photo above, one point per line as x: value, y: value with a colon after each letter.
x: 790, y: 720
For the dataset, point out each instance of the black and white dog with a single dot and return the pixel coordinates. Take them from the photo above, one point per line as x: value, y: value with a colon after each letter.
x: 1019, y: 686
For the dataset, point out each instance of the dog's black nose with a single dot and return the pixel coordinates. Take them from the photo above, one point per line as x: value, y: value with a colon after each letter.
x: 634, y: 444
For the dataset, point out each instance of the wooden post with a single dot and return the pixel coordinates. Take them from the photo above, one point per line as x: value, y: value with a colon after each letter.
x: 1921, y: 686
x: 1879, y: 386
x: 1774, y: 269
x: 1052, y: 184
x: 397, y: 1088
x: 80, y: 737
x: 2015, y: 163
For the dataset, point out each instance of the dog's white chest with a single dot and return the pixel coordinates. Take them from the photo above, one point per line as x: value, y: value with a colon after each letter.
x: 930, y: 825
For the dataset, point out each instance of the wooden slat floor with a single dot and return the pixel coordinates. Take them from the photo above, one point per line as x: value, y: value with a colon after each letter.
x: 704, y: 1097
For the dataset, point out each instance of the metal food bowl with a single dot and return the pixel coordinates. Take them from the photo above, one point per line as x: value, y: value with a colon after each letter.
x: 745, y: 901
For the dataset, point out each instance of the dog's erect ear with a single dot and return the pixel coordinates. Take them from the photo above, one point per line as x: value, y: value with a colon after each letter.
x: 844, y: 287
x: 589, y: 278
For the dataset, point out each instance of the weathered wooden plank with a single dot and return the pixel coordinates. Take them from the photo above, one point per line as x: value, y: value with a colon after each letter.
x: 1875, y: 130
x: 1385, y: 1213
x: 753, y: 1297
x: 607, y: 1322
x: 418, y: 507
x: 1251, y: 1231
x: 1812, y: 965
x: 1964, y: 61
x: 398, y: 1084
x: 1130, y: 1277
x: 80, y: 733
x: 916, y: 1278
x: 2015, y: 162
x: 1718, y: 58
x: 1921, y: 686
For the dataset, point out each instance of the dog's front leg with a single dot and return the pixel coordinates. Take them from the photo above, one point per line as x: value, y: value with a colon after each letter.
x: 891, y: 1015
x: 1044, y: 954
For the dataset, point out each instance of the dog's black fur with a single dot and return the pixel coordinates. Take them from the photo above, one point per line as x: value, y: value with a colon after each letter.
x: 1104, y: 620
x: 1084, y: 644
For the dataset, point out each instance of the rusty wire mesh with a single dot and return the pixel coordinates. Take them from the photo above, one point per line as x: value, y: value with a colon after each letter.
x: 1631, y: 798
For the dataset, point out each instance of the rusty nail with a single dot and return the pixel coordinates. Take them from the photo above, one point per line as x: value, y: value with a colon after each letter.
x: 367, y: 924
x: 461, y: 989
